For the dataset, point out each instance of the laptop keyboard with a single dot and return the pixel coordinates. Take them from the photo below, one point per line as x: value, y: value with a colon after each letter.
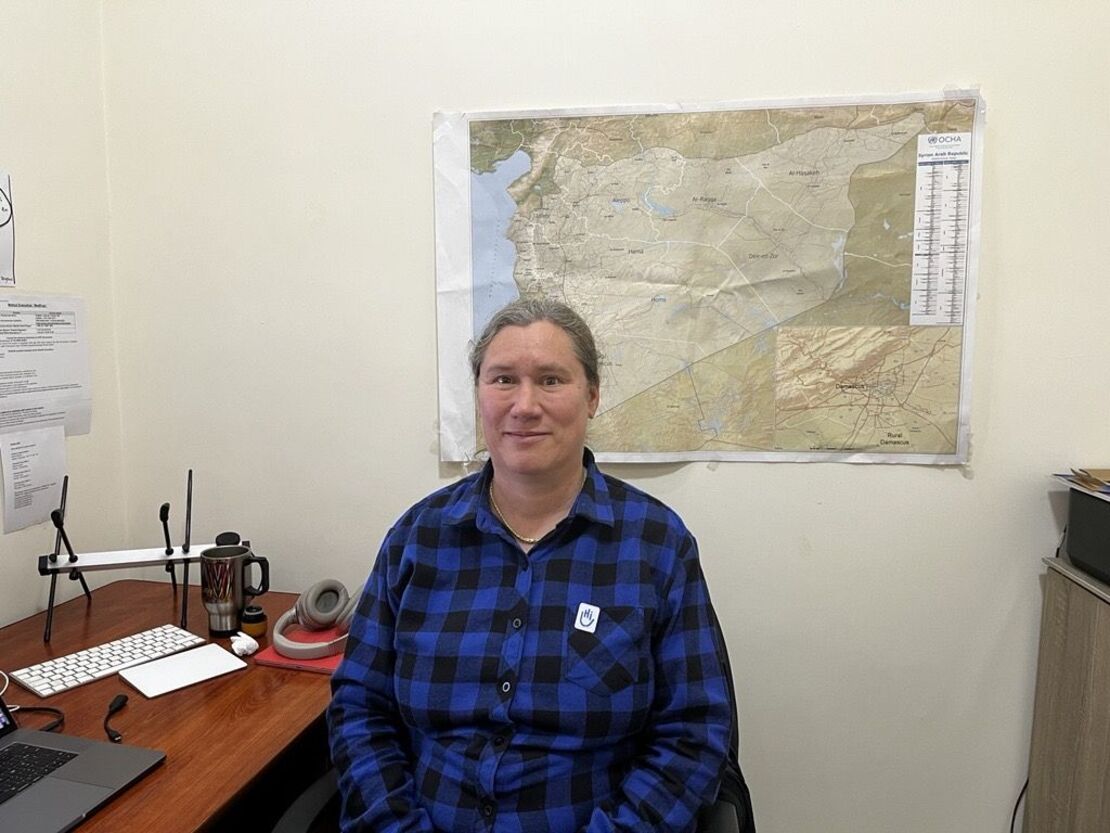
x: 22, y: 765
x: 82, y: 667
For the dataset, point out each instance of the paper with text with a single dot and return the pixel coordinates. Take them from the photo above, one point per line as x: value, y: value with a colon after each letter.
x: 44, y: 363
x: 34, y: 464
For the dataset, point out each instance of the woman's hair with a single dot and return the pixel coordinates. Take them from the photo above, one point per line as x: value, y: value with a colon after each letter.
x: 525, y: 311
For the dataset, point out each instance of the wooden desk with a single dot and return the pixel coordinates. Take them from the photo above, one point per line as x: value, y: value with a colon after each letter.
x: 225, y: 739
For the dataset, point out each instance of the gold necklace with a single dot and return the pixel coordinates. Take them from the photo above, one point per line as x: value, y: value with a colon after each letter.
x: 497, y: 511
x: 500, y: 517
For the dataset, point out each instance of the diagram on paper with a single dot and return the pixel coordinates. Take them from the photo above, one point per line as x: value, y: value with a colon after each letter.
x: 7, y: 232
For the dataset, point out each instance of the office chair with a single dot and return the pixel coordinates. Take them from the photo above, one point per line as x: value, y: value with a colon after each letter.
x: 316, y: 810
x: 732, y: 811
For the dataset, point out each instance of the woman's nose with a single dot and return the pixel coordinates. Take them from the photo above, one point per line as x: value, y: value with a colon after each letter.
x: 526, y: 400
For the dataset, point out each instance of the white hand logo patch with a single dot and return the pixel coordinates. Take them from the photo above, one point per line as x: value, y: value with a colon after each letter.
x: 587, y: 617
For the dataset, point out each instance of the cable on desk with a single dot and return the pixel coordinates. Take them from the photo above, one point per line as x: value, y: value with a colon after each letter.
x: 53, y: 726
x: 118, y: 702
x: 7, y: 682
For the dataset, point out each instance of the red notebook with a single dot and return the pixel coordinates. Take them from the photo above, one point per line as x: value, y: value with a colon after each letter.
x: 324, y: 665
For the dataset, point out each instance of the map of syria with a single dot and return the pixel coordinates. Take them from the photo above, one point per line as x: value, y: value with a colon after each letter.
x: 748, y: 273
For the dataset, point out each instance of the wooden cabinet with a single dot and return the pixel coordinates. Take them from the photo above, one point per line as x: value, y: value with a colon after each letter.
x: 1069, y: 757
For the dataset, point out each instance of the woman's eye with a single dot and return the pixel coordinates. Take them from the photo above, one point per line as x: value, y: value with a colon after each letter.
x: 551, y: 380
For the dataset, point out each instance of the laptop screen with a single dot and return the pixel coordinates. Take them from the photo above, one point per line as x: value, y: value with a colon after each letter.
x: 7, y: 724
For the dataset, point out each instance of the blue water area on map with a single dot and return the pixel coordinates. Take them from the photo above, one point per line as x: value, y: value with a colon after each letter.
x: 881, y: 296
x: 838, y: 244
x: 763, y: 344
x: 492, y: 254
x: 654, y: 207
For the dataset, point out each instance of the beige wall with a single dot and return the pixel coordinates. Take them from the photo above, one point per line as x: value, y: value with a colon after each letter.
x: 52, y: 143
x: 273, y: 272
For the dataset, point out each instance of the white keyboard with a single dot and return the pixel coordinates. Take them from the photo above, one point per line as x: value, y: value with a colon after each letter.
x: 81, y: 667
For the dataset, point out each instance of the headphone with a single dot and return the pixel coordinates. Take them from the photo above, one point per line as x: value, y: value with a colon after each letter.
x: 326, y: 604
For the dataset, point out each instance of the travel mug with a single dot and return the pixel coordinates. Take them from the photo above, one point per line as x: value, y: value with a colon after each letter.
x: 224, y: 587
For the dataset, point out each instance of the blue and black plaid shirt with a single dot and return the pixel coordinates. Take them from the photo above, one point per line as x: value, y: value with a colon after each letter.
x: 578, y: 687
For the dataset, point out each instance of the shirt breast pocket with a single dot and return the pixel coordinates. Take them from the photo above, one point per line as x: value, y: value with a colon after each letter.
x: 612, y: 657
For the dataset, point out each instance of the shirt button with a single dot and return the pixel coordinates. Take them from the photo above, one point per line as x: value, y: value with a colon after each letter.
x: 506, y: 687
x: 499, y: 740
x: 487, y: 809
x: 518, y: 622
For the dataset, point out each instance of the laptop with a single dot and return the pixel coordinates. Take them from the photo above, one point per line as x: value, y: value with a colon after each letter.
x: 84, y: 774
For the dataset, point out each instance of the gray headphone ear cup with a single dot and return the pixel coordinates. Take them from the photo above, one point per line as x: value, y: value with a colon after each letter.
x: 323, y: 605
x: 320, y: 605
x: 283, y: 645
x: 343, y: 621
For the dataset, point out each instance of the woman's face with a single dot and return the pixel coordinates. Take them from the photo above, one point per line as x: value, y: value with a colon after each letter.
x: 534, y: 401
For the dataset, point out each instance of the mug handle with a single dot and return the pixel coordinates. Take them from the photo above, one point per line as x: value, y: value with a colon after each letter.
x: 261, y: 561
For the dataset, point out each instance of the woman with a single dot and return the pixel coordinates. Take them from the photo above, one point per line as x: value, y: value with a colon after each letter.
x: 533, y: 650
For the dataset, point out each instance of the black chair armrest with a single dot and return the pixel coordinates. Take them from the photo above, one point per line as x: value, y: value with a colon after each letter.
x: 302, y: 814
x: 721, y: 817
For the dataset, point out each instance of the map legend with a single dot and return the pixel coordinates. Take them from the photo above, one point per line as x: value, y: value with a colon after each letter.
x: 940, y: 229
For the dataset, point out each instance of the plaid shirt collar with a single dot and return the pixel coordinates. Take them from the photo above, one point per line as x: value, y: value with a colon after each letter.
x: 471, y: 504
